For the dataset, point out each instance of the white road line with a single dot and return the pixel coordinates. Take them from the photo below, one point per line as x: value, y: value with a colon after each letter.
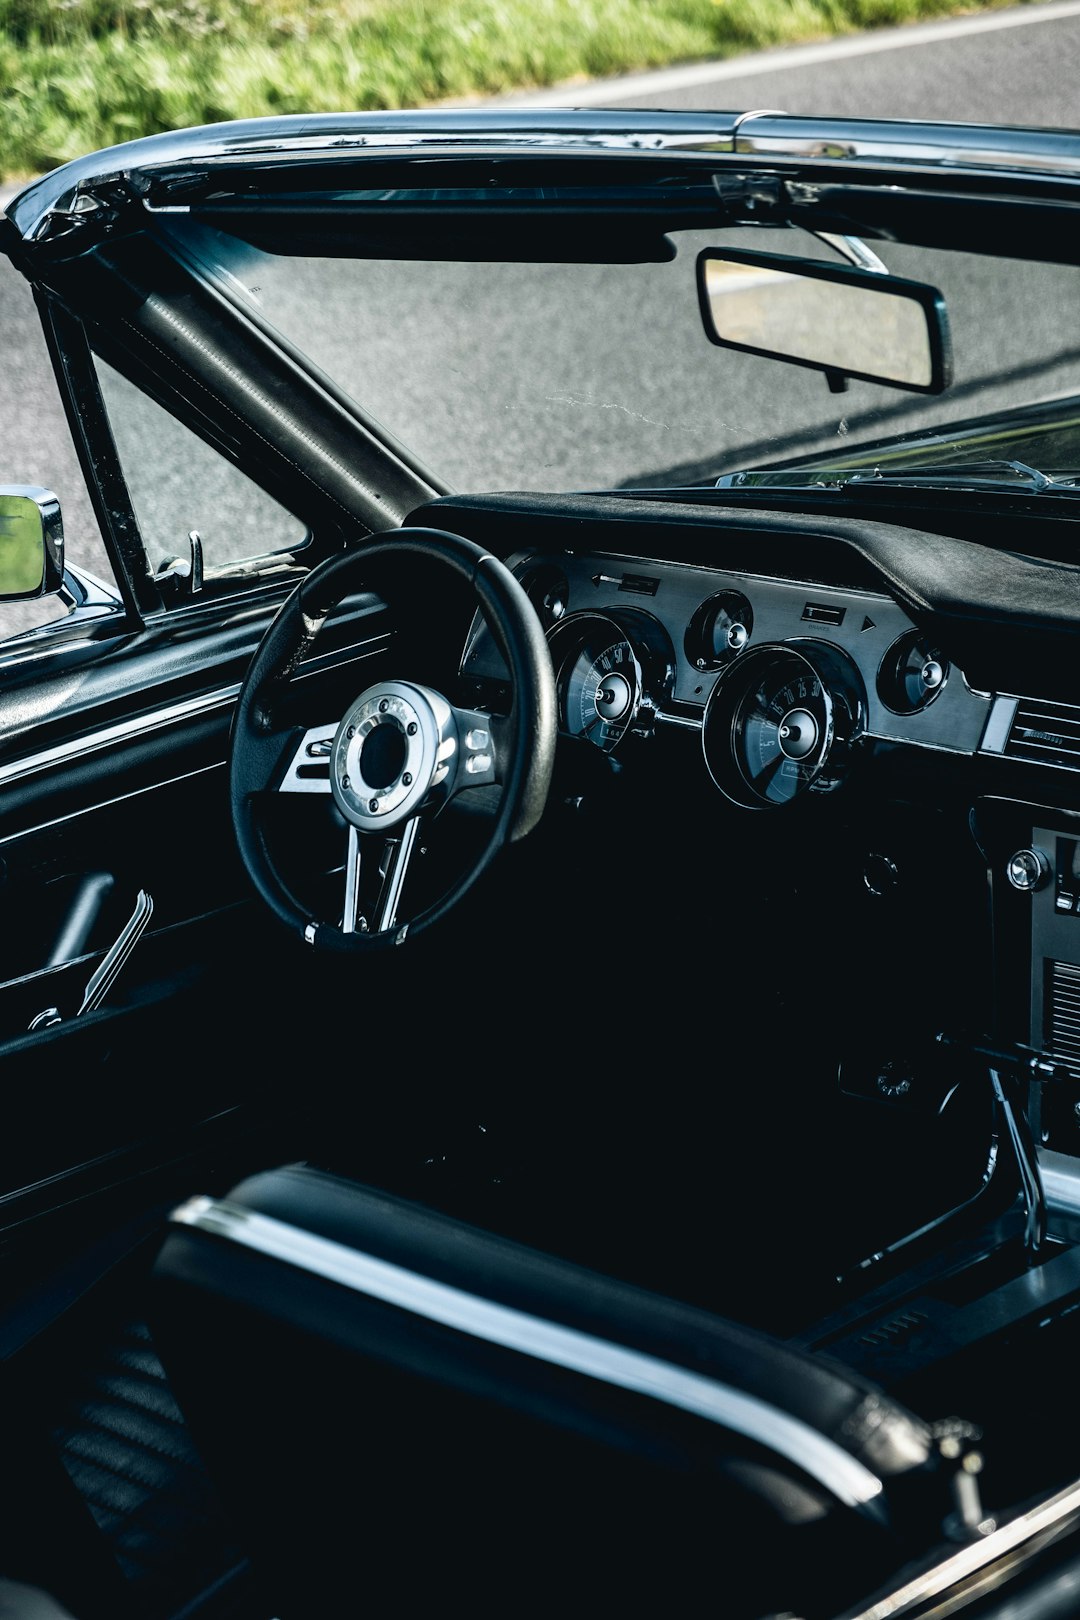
x: 600, y: 92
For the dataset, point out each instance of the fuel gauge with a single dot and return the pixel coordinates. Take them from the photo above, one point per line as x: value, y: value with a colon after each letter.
x: 913, y: 673
x: 720, y: 628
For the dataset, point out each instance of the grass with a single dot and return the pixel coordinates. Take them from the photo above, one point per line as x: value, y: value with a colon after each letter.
x: 80, y: 74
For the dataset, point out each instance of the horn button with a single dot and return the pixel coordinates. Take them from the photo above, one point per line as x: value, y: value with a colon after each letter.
x: 395, y: 744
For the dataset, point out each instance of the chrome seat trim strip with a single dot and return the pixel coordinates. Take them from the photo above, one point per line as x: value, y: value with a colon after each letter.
x: 848, y: 1480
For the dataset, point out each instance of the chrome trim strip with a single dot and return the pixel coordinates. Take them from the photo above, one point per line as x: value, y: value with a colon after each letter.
x: 1043, y: 1518
x: 686, y: 721
x: 999, y: 721
x: 1061, y: 1181
x: 106, y: 804
x: 122, y: 731
x: 835, y: 1469
x: 914, y: 147
x: 778, y: 140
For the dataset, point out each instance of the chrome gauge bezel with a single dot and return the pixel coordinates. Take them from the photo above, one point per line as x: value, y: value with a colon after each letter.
x: 890, y: 674
x: 649, y: 663
x: 822, y: 682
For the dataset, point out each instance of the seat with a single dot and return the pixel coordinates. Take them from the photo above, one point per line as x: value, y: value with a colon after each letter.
x: 402, y: 1409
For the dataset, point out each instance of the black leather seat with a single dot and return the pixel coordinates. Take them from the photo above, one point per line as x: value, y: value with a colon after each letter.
x: 402, y: 1409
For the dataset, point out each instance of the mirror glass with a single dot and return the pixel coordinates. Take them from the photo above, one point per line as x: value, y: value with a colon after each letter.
x: 851, y: 322
x: 31, y: 542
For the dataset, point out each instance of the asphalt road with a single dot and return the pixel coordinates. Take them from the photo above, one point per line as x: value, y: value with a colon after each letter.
x: 545, y: 377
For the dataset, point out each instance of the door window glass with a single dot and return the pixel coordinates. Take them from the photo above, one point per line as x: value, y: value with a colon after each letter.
x: 177, y: 483
x: 36, y: 446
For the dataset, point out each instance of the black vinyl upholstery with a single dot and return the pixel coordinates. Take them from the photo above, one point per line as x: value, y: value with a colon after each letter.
x: 125, y: 1446
x: 98, y: 1460
x: 375, y: 1453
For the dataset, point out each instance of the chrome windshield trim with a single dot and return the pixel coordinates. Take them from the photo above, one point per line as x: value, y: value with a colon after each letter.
x: 847, y: 1479
x: 765, y: 137
x: 845, y: 141
x: 122, y: 731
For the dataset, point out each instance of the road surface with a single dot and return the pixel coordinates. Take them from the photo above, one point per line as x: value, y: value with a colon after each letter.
x: 600, y: 375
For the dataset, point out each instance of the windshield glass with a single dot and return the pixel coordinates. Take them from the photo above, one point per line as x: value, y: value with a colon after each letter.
x: 599, y: 376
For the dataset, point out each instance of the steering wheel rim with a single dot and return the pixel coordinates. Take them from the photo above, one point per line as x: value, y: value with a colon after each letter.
x: 259, y: 750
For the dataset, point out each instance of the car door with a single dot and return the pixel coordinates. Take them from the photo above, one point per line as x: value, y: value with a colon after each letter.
x: 131, y: 954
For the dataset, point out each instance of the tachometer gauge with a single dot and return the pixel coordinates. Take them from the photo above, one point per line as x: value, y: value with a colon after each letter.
x: 779, y: 723
x: 598, y: 678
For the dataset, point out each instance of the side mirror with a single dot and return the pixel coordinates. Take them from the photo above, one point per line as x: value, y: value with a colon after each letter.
x: 833, y: 318
x: 31, y: 543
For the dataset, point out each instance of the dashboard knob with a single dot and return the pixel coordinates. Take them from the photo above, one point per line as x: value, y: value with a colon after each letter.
x: 1028, y: 870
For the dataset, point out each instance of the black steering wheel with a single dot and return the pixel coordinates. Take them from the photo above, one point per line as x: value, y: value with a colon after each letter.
x: 400, y: 751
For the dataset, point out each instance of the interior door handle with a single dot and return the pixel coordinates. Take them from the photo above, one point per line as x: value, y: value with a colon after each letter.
x: 104, y: 975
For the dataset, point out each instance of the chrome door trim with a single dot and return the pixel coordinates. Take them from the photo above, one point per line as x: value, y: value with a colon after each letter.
x: 122, y: 731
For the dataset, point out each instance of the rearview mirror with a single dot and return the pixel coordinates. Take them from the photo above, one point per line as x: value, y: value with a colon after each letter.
x: 831, y: 317
x: 31, y: 543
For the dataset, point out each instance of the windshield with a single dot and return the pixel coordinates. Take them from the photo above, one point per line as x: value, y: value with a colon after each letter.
x: 559, y: 376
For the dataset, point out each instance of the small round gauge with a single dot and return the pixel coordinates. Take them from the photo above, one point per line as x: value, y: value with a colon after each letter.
x: 547, y: 589
x: 598, y: 678
x: 720, y: 628
x: 912, y: 673
x: 778, y: 723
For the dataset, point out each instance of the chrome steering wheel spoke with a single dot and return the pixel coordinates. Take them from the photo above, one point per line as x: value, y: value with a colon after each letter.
x: 308, y: 771
x: 350, y: 918
x: 392, y: 869
x: 399, y: 853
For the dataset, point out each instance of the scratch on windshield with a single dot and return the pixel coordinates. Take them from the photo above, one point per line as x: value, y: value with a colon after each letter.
x: 637, y: 416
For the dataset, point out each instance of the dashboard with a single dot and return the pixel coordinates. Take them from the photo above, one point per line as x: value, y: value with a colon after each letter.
x: 883, y: 725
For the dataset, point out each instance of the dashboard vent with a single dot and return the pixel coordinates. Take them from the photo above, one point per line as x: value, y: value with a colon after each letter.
x: 1063, y: 1014
x: 1046, y: 732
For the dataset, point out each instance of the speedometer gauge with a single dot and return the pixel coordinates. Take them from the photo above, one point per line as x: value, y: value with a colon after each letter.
x: 783, y: 729
x: 601, y: 688
x: 599, y: 684
x: 611, y: 674
x: 780, y: 722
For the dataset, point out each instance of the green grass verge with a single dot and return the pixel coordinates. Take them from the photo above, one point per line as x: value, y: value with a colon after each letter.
x: 80, y: 74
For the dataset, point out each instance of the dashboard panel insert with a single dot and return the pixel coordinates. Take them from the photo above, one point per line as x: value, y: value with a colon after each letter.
x: 781, y: 722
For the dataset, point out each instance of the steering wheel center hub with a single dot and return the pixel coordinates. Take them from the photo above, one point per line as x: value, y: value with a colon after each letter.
x: 396, y: 743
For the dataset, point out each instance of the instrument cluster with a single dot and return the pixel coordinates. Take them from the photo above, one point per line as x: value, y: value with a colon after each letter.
x: 781, y: 679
